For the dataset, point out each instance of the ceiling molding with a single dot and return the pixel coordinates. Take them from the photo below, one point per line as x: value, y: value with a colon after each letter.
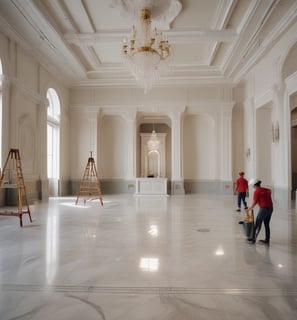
x: 176, y: 36
x: 260, y: 48
x: 80, y: 42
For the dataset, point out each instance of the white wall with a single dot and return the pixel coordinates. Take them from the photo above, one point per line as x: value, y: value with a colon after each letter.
x: 113, y: 151
x: 25, y: 84
x: 263, y: 145
x: 265, y: 85
x: 199, y: 157
x: 116, y: 110
x: 80, y: 143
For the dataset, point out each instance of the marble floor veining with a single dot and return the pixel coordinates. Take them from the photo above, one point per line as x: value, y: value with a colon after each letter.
x: 144, y: 258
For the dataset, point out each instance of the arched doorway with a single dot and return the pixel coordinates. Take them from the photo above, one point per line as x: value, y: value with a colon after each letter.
x: 289, y: 77
x: 293, y: 101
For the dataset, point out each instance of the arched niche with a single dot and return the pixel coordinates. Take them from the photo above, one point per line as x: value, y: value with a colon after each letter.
x: 162, y: 126
x: 289, y: 79
x: 153, y: 160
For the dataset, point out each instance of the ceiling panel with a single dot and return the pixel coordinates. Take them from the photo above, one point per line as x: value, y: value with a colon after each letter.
x: 81, y: 40
x: 109, y: 53
x: 191, y: 54
x: 197, y: 14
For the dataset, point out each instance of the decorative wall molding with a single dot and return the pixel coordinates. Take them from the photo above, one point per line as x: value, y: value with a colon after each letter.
x: 28, y: 92
x: 262, y: 47
x: 210, y: 106
x: 264, y: 99
x: 291, y: 83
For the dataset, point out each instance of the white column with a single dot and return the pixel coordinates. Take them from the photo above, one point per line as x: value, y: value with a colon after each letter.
x: 131, y: 145
x: 226, y: 142
x: 280, y: 174
x: 98, y: 138
x: 289, y: 89
x: 42, y: 148
x: 14, y: 93
x: 6, y: 93
x: 282, y: 170
x: 93, y: 133
x: 177, y: 181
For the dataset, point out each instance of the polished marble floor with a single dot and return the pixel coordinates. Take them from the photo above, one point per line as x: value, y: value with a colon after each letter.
x: 145, y: 258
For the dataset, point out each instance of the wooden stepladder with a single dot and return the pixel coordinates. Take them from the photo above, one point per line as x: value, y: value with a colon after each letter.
x: 90, y: 185
x: 12, y: 177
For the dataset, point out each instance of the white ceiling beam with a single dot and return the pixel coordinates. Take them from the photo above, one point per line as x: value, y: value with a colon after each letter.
x: 90, y: 56
x: 177, y: 36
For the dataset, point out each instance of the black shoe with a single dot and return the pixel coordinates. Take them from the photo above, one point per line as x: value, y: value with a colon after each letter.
x: 238, y: 210
x: 251, y: 240
x: 246, y: 208
x: 264, y: 241
x: 240, y: 222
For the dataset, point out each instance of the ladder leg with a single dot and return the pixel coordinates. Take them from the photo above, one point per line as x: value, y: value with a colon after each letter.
x: 22, y: 187
x: 14, y: 155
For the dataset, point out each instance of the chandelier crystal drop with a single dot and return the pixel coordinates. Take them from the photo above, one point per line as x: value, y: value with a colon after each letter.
x: 146, y: 52
x: 153, y: 142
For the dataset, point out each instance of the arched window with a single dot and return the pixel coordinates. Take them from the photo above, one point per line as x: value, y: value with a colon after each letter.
x: 53, y: 134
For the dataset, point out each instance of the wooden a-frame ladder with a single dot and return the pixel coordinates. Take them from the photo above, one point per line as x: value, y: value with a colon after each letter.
x: 90, y: 185
x: 7, y: 180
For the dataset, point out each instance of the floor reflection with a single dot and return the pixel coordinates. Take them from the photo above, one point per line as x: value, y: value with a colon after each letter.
x: 183, y: 257
x: 52, y: 245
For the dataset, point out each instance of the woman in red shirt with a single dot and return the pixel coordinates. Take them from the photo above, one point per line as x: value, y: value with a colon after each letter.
x: 262, y: 197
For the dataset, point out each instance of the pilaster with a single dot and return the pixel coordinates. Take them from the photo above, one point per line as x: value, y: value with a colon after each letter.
x: 177, y: 181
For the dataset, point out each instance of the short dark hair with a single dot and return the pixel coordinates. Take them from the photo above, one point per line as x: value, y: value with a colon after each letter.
x: 258, y: 183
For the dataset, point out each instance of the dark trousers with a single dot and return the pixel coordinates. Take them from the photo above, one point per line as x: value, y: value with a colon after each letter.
x: 241, y: 197
x: 264, y: 215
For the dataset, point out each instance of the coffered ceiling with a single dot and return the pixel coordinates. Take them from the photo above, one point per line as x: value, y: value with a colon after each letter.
x: 212, y: 42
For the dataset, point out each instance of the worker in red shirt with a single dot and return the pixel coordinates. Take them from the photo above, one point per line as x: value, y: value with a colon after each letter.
x: 262, y: 198
x: 242, y: 190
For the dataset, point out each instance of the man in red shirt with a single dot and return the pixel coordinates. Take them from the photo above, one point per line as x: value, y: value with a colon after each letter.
x: 242, y: 190
x: 262, y: 197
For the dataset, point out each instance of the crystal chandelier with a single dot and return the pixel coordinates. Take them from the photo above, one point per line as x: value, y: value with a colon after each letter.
x: 153, y: 142
x: 145, y: 53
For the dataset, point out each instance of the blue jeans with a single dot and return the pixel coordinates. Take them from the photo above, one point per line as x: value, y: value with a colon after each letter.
x: 241, y: 197
x: 264, y: 215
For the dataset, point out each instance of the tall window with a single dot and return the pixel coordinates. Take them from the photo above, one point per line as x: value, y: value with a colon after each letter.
x: 1, y: 76
x: 53, y: 134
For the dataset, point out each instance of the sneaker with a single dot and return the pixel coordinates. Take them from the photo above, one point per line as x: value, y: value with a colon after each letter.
x: 240, y: 222
x: 264, y: 241
x: 238, y: 210
x: 251, y: 240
